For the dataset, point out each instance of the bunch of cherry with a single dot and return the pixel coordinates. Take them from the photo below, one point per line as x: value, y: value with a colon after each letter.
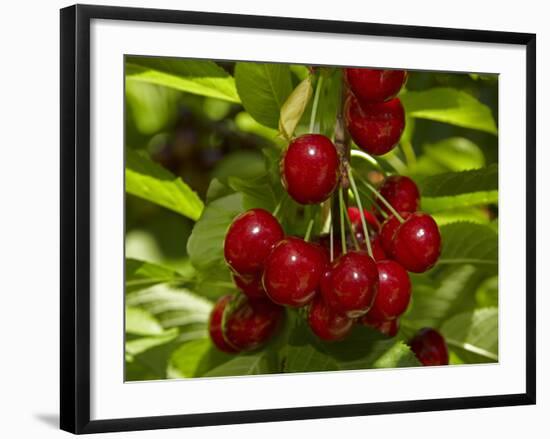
x: 367, y: 285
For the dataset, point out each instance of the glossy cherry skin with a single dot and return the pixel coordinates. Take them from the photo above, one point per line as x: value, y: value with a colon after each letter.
x: 371, y: 220
x: 394, y: 291
x: 327, y: 324
x: 310, y: 168
x: 250, y: 239
x: 386, y: 327
x: 378, y: 252
x: 430, y: 348
x: 293, y: 271
x: 375, y: 85
x: 215, y: 325
x: 401, y: 192
x: 350, y: 285
x: 251, y: 285
x: 253, y: 323
x: 375, y: 128
x: 387, y: 232
x: 417, y: 243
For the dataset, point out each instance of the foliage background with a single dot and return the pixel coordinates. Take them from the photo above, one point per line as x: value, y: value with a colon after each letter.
x: 215, y: 126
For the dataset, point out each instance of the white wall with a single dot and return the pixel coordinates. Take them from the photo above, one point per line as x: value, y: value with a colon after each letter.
x: 30, y: 204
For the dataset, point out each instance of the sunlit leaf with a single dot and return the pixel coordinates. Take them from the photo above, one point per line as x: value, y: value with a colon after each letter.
x: 263, y: 89
x: 200, y: 77
x: 148, y: 180
x: 294, y: 107
x: 450, y: 106
x: 474, y: 335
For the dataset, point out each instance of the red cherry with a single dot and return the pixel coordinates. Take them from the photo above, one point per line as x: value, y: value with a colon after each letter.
x: 351, y: 284
x: 417, y: 243
x: 310, y: 168
x: 401, y: 192
x: 251, y: 285
x: 326, y: 323
x: 215, y: 325
x: 293, y: 271
x: 375, y: 85
x: 386, y: 327
x: 355, y: 219
x: 252, y: 323
x: 394, y: 291
x: 387, y: 232
x: 375, y: 128
x: 250, y: 239
x: 377, y: 249
x: 430, y: 348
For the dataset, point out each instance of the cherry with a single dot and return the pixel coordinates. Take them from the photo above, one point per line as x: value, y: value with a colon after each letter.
x: 375, y: 128
x: 252, y: 323
x: 386, y: 327
x: 387, y: 232
x: 394, y: 291
x: 370, y: 218
x: 375, y: 85
x: 215, y: 325
x: 401, y: 192
x: 249, y: 240
x: 293, y: 271
x: 251, y: 285
x: 326, y: 323
x: 417, y: 243
x: 310, y: 168
x: 378, y: 252
x: 351, y: 283
x: 430, y: 348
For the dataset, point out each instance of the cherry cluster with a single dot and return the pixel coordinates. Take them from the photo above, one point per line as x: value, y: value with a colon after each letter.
x: 337, y: 288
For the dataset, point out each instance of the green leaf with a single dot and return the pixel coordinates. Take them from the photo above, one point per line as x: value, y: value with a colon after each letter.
x: 205, y: 245
x: 453, y: 154
x: 468, y: 214
x: 141, y: 274
x: 455, y: 183
x: 469, y: 243
x: 141, y: 322
x: 257, y: 192
x: 147, y: 180
x: 487, y: 293
x: 192, y: 76
x: 257, y: 363
x: 473, y: 335
x: 195, y: 359
x: 450, y: 106
x: 364, y: 348
x: 294, y: 107
x: 439, y: 204
x: 174, y: 307
x: 140, y: 345
x: 434, y: 302
x: 263, y: 89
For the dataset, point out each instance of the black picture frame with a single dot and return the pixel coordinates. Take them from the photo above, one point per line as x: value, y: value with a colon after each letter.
x: 75, y: 217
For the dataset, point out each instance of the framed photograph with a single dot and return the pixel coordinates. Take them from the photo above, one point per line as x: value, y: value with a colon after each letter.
x: 268, y: 219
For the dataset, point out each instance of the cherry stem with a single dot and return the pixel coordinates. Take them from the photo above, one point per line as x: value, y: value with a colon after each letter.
x: 308, y: 231
x: 278, y: 208
x: 353, y: 237
x: 368, y: 158
x: 408, y: 152
x: 331, y: 234
x: 361, y: 213
x: 342, y: 224
x: 315, y: 103
x: 381, y: 198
